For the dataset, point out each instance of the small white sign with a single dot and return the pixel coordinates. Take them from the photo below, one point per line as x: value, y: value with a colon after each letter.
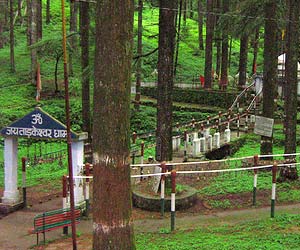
x: 263, y: 126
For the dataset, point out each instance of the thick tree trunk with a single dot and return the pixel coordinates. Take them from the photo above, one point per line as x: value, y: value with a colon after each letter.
x: 167, y: 33
x: 255, y: 51
x: 139, y: 60
x: 243, y: 61
x: 290, y: 101
x: 224, y: 60
x: 33, y: 39
x: 200, y: 25
x: 218, y: 39
x: 48, y: 15
x: 73, y: 29
x: 178, y: 37
x: 112, y: 218
x: 85, y: 78
x: 39, y: 20
x: 270, y: 71
x: 12, y: 36
x: 208, y: 44
x: 20, y: 11
x: 29, y: 13
x: 2, y: 21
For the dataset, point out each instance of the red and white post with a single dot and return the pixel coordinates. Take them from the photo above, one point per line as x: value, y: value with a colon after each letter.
x: 173, y: 184
x: 274, y: 171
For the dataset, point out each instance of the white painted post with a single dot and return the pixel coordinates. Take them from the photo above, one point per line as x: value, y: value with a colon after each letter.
x: 178, y: 141
x: 11, y: 193
x: 217, y: 140
x: 227, y: 135
x: 209, y: 142
x: 77, y: 165
x: 202, y: 144
x: 206, y: 132
x: 174, y: 143
x: 196, y: 147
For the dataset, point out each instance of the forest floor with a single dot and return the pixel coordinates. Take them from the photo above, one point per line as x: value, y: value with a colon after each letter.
x: 14, y: 227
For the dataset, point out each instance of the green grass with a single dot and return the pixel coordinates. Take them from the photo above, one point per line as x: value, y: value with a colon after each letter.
x: 281, y: 233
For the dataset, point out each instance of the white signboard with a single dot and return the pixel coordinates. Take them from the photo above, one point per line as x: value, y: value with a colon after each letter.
x: 263, y: 126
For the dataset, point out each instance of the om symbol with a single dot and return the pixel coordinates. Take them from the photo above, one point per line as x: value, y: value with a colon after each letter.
x: 37, y: 119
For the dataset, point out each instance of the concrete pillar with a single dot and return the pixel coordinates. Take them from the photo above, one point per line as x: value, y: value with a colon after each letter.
x: 202, y: 144
x: 227, y: 135
x: 174, y: 143
x: 178, y: 141
x: 196, y: 147
x: 11, y: 193
x: 209, y: 142
x: 77, y: 165
x: 206, y: 132
x: 217, y: 140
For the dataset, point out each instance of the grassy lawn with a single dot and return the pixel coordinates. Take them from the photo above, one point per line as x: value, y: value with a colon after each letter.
x: 281, y: 233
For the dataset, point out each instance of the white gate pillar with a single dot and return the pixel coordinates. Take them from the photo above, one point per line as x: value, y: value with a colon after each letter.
x: 11, y: 193
x: 77, y: 166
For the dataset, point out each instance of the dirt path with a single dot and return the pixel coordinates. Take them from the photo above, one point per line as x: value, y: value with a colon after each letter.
x: 14, y: 227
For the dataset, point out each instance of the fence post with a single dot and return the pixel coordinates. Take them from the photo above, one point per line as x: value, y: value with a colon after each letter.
x: 87, y: 189
x: 173, y: 184
x: 274, y: 170
x: 255, y: 180
x: 238, y: 125
x: 64, y: 193
x: 142, y: 159
x: 219, y: 121
x: 24, y: 181
x: 185, y: 146
x: 162, y: 189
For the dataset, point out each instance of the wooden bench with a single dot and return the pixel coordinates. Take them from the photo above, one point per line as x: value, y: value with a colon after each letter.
x: 51, y: 220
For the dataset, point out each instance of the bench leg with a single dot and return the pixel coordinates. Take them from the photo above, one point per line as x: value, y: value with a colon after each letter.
x: 44, y: 238
x: 37, y: 238
x: 65, y: 230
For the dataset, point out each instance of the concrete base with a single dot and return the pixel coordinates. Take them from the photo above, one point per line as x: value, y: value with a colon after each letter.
x: 9, y: 208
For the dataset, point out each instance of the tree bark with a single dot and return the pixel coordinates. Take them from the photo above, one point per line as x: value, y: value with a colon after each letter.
x: 85, y: 78
x: 224, y: 59
x: 167, y: 33
x: 255, y: 51
x: 290, y: 100
x: 29, y: 13
x: 33, y: 39
x: 73, y: 29
x: 178, y: 37
x: 48, y: 15
x: 270, y: 71
x: 12, y: 36
x: 243, y: 61
x: 20, y: 11
x: 200, y: 25
x: 39, y: 20
x: 218, y: 39
x: 139, y: 59
x: 112, y: 217
x: 208, y: 44
x: 2, y: 22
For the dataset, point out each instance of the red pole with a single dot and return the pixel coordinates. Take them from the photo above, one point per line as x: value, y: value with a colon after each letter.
x: 24, y: 181
x: 68, y: 125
